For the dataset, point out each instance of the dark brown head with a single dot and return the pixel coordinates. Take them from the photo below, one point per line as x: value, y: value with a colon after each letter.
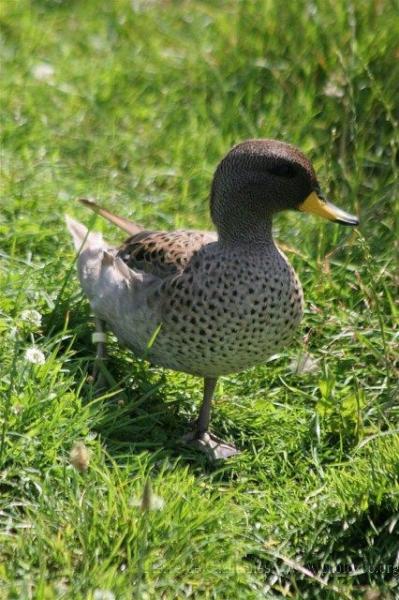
x: 258, y: 178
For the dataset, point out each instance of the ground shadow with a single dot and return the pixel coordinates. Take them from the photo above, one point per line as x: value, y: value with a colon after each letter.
x: 142, y: 410
x: 147, y: 415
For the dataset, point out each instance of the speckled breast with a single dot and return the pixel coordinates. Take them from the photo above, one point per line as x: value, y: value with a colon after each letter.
x: 227, y: 312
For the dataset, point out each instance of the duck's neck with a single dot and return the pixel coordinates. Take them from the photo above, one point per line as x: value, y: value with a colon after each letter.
x: 248, y: 231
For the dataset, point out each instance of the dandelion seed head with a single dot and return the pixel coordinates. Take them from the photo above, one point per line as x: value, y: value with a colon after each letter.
x: 32, y: 316
x: 35, y: 356
x: 80, y: 457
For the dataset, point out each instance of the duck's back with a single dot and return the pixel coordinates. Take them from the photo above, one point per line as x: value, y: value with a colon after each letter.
x: 163, y: 253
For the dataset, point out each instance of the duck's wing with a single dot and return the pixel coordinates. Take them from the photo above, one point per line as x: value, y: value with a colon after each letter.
x: 160, y: 253
x: 163, y: 253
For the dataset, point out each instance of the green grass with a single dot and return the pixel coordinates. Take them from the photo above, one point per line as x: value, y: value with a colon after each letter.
x: 140, y: 101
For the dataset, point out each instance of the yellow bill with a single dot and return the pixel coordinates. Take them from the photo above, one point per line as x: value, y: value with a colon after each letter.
x: 317, y: 206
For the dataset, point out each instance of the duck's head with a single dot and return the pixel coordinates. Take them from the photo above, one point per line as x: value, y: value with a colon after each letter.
x: 258, y: 178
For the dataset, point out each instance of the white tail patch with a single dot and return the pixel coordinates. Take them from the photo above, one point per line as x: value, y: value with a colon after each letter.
x: 119, y: 270
x: 123, y: 268
x: 107, y: 259
x: 82, y: 237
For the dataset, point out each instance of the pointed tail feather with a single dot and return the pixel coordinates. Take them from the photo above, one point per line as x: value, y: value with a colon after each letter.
x: 120, y: 222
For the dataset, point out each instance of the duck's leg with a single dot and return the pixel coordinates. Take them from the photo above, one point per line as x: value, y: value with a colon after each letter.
x: 201, y: 438
x: 204, y: 416
x: 99, y: 338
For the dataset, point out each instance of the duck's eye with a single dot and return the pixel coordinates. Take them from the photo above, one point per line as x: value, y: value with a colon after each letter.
x: 283, y: 170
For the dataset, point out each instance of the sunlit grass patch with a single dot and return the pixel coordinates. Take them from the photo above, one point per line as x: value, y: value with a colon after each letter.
x: 133, y: 103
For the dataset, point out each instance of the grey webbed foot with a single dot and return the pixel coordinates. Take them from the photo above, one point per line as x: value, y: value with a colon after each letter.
x: 214, y: 447
x: 200, y: 436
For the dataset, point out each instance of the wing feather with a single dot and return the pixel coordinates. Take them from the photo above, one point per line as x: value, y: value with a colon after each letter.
x: 163, y: 253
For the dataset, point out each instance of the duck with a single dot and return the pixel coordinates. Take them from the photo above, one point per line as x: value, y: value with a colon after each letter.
x: 208, y: 303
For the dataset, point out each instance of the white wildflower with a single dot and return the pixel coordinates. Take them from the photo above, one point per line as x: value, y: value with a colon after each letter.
x: 35, y: 355
x: 13, y: 331
x: 333, y: 90
x: 32, y: 316
x: 142, y: 5
x: 103, y: 595
x: 43, y: 72
x: 61, y: 587
x: 304, y: 363
x: 63, y: 195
